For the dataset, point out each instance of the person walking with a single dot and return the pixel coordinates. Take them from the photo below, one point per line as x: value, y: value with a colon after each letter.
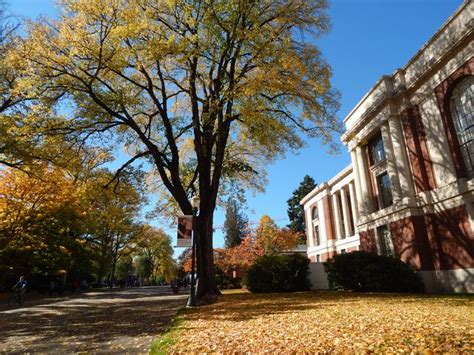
x: 19, y: 290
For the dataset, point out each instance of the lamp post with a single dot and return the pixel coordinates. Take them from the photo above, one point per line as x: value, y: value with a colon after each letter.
x: 192, y: 296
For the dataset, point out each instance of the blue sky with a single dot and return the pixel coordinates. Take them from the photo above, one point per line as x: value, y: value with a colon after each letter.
x: 368, y: 39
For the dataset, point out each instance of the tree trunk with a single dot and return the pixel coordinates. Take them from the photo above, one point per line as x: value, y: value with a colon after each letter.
x: 207, y: 290
x: 102, y: 264
x: 112, y: 272
x: 100, y: 274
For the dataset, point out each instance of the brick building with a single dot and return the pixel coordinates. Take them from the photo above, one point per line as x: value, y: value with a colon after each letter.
x: 409, y: 191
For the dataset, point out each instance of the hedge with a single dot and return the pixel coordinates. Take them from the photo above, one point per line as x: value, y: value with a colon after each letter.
x: 363, y: 271
x: 278, y: 273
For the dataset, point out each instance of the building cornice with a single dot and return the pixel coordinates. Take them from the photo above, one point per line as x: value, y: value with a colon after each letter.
x: 396, y: 88
x: 325, y: 186
x: 314, y: 192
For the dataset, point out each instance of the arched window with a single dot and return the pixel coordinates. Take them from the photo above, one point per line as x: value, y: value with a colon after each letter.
x: 315, y: 213
x: 462, y: 111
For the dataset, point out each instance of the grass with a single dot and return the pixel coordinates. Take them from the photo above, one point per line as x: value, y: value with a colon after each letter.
x: 324, y: 322
x: 162, y: 345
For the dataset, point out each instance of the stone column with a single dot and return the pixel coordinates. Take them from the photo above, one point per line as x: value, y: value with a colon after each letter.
x: 337, y: 216
x: 366, y: 192
x: 355, y: 169
x: 345, y: 214
x: 322, y: 221
x: 391, y: 162
x: 309, y: 227
x: 352, y: 197
x: 401, y: 159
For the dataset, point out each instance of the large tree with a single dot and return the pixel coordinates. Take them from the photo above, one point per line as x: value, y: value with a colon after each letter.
x: 112, y: 218
x: 41, y: 223
x: 235, y: 224
x: 295, y: 210
x: 207, y: 91
x: 66, y: 221
x: 154, y: 255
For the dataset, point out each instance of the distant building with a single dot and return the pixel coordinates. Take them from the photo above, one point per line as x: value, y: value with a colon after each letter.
x: 409, y: 191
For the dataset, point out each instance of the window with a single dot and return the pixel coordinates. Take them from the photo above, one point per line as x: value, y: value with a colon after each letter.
x: 315, y: 214
x: 384, y: 241
x: 462, y: 111
x: 376, y: 150
x: 385, y: 191
x: 317, y: 241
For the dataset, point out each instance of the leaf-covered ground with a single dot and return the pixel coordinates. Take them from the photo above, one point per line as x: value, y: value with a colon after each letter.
x: 329, y: 322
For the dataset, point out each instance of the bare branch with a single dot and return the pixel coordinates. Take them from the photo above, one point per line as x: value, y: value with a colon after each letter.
x: 119, y: 171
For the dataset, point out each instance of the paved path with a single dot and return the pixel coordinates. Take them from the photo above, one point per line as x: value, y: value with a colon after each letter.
x: 107, y: 321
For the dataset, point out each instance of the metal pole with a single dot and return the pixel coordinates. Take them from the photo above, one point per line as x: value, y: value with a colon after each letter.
x: 192, y: 295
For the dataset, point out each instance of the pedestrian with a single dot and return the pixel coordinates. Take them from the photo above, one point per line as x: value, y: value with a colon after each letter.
x: 20, y: 288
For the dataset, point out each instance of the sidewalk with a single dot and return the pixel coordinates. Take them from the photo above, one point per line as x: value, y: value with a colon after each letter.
x: 117, y: 320
x: 34, y: 298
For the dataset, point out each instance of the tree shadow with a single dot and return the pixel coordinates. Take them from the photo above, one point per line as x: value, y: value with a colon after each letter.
x: 107, y: 322
x: 437, y: 235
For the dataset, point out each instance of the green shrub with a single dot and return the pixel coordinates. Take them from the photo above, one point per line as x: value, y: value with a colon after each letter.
x: 362, y: 271
x: 225, y: 280
x: 278, y: 273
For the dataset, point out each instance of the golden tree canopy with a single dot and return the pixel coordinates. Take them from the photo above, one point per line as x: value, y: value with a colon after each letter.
x: 207, y: 91
x: 183, y: 81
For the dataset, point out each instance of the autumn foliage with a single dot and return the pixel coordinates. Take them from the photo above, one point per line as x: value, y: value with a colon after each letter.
x: 273, y: 240
x: 266, y: 239
x: 206, y: 93
x: 229, y: 259
x: 39, y: 220
x: 237, y: 259
x: 69, y: 222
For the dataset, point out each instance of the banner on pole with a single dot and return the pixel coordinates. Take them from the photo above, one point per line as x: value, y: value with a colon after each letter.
x: 185, y: 229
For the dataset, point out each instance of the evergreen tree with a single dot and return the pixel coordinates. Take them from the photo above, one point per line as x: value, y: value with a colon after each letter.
x: 295, y: 210
x: 234, y: 225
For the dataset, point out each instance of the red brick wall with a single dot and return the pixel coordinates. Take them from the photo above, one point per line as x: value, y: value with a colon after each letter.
x: 422, y: 166
x: 404, y: 241
x: 328, y: 217
x: 437, y: 241
x: 324, y: 257
x: 410, y: 242
x: 367, y: 241
x: 451, y: 239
